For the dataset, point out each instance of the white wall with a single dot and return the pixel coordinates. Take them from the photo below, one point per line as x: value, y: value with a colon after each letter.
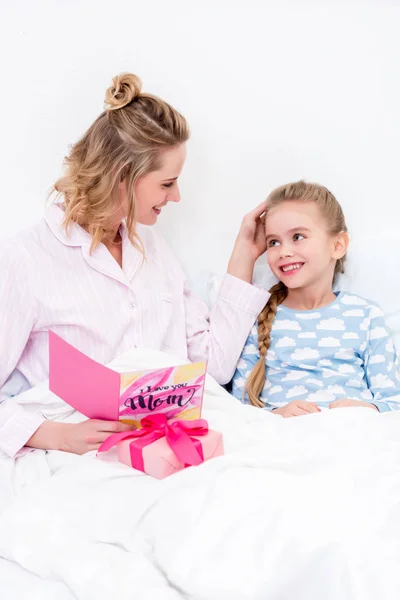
x: 273, y: 90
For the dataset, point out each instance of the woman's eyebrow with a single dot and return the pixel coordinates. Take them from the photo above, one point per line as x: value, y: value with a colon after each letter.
x: 170, y: 179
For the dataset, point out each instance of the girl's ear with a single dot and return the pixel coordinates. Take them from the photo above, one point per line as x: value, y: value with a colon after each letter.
x: 341, y: 245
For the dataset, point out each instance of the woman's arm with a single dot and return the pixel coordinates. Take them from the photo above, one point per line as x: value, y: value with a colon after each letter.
x: 221, y: 334
x: 17, y: 317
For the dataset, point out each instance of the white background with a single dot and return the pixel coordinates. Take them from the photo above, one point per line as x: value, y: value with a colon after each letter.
x: 273, y: 91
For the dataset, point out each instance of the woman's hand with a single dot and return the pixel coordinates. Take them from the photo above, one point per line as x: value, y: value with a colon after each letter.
x: 77, y: 438
x: 344, y: 402
x: 297, y: 408
x: 250, y: 244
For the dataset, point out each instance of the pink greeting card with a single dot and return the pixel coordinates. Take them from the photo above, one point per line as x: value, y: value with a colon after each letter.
x: 99, y: 392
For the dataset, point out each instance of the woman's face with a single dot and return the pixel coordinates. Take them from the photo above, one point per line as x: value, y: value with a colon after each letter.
x: 154, y: 190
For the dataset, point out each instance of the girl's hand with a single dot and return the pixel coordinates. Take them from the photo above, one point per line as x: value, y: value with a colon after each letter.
x: 297, y: 408
x: 77, y: 438
x: 250, y: 244
x: 344, y: 402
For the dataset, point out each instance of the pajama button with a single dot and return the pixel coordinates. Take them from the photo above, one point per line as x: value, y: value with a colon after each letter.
x: 132, y: 304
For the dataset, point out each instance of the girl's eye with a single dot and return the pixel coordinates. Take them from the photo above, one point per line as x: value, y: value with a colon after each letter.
x: 273, y: 243
x: 297, y: 237
x: 168, y: 185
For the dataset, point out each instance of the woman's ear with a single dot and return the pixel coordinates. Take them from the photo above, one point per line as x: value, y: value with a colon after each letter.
x: 341, y: 245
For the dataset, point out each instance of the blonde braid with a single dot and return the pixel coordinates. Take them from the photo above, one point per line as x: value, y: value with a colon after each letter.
x: 256, y: 380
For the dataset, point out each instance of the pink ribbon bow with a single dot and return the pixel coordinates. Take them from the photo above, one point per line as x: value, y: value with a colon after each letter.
x: 178, y: 435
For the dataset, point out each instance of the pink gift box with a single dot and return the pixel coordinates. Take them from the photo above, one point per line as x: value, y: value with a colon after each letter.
x: 162, y: 447
x: 159, y: 460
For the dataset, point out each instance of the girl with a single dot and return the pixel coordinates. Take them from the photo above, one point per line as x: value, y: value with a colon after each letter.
x: 311, y: 347
x: 91, y: 271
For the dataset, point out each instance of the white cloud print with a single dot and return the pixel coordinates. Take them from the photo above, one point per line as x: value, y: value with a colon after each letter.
x: 296, y: 391
x: 273, y: 371
x: 326, y: 373
x: 285, y: 342
x: 242, y: 364
x: 307, y: 334
x: 316, y: 382
x: 389, y: 346
x: 377, y: 333
x: 351, y: 335
x: 328, y: 342
x: 353, y: 383
x: 321, y: 396
x: 376, y: 312
x: 344, y: 353
x: 250, y: 349
x: 294, y: 376
x: 305, y: 354
x: 286, y: 324
x: 381, y: 381
x: 275, y: 389
x: 352, y: 300
x: 346, y: 369
x: 325, y: 362
x: 365, y: 324
x: 308, y: 316
x: 336, y: 389
x: 331, y: 324
x: 378, y: 358
x: 354, y: 312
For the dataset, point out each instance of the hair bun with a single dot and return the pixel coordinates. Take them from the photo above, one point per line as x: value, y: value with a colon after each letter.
x: 124, y: 89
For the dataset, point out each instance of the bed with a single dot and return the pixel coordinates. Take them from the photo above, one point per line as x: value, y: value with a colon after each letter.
x: 296, y: 509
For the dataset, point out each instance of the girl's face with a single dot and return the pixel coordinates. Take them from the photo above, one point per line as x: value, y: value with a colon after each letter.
x: 300, y: 250
x: 154, y: 190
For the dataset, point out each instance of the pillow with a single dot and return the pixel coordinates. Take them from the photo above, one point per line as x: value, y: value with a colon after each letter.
x: 372, y: 271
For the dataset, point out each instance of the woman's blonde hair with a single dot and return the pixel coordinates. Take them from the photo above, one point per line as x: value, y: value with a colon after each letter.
x: 333, y: 214
x: 124, y: 143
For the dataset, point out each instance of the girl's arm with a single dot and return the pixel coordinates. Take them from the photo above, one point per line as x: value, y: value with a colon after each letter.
x: 382, y: 364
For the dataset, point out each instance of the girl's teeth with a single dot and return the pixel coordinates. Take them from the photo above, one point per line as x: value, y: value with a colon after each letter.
x: 291, y: 267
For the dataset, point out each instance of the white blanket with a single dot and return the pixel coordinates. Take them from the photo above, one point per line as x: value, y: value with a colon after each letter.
x: 302, y: 508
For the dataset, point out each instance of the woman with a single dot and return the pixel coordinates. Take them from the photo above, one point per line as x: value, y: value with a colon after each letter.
x: 93, y: 272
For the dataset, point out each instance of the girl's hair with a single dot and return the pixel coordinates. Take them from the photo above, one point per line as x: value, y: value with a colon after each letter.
x: 125, y: 142
x: 334, y: 217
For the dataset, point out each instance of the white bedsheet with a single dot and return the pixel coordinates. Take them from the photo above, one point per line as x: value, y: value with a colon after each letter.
x: 298, y: 509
